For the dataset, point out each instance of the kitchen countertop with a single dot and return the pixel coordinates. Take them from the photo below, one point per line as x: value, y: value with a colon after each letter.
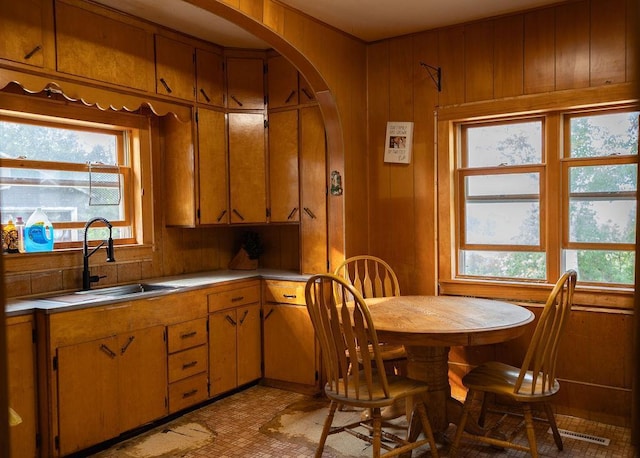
x: 66, y: 301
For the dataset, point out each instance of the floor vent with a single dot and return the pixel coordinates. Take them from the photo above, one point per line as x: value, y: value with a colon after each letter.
x: 583, y: 437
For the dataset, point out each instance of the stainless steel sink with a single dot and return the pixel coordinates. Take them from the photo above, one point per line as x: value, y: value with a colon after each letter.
x: 126, y: 290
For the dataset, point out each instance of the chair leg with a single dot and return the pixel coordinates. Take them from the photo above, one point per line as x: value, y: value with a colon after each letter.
x: 326, y: 428
x: 377, y: 431
x: 483, y: 409
x: 463, y: 421
x: 426, y: 428
x: 554, y: 426
x: 531, y: 433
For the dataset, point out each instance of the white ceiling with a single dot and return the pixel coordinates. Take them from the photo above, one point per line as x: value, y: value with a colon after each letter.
x: 369, y: 20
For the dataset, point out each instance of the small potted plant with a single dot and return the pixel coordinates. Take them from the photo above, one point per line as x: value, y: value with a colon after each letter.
x: 250, y: 250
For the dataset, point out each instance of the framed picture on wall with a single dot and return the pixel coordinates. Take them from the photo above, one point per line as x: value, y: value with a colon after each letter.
x: 399, y: 140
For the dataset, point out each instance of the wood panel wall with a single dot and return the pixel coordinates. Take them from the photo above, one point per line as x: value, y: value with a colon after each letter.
x: 573, y: 45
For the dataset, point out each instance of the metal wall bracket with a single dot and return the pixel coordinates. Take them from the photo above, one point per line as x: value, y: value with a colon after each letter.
x: 435, y: 73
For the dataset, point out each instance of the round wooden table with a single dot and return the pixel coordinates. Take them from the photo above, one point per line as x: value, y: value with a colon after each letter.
x: 429, y: 325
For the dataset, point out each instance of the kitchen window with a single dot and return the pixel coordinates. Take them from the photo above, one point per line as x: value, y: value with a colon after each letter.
x: 73, y: 169
x: 541, y: 194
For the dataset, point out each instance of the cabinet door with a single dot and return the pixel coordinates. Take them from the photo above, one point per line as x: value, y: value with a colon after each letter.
x: 222, y: 352
x: 249, y: 344
x: 247, y: 169
x: 22, y: 25
x: 209, y: 78
x: 142, y: 381
x: 282, y: 80
x: 22, y: 389
x: 212, y: 168
x: 175, y: 70
x: 104, y: 49
x: 313, y: 222
x: 87, y: 394
x: 283, y: 166
x: 289, y: 344
x: 245, y: 83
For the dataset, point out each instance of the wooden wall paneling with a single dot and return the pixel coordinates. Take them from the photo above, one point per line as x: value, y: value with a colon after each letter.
x: 633, y: 40
x: 451, y: 58
x: 378, y: 111
x: 539, y: 51
x: 608, y: 42
x: 399, y: 249
x: 572, y: 45
x: 422, y: 279
x: 479, y: 61
x: 508, y: 56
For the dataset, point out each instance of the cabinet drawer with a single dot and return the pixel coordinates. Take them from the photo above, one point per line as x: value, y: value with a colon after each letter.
x: 285, y: 292
x: 187, y: 363
x: 186, y: 335
x: 234, y: 298
x: 188, y: 392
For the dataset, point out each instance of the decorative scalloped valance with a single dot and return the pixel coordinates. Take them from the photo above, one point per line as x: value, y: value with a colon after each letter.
x: 92, y: 96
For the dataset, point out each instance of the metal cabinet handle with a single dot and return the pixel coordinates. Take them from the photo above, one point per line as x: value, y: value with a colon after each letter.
x: 293, y: 213
x: 238, y: 214
x: 30, y: 54
x: 204, y: 94
x: 230, y: 320
x: 309, y: 96
x: 268, y: 314
x: 288, y: 99
x: 221, y: 215
x: 125, y: 346
x: 236, y: 100
x: 309, y: 212
x: 244, y: 316
x: 166, y: 86
x: 107, y: 350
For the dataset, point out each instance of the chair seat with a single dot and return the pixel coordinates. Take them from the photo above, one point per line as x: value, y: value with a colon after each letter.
x: 399, y: 387
x: 499, y: 378
x: 389, y: 352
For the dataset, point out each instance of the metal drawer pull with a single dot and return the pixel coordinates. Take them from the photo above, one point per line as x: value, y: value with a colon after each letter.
x: 290, y: 296
x: 107, y: 350
x: 204, y: 94
x: 125, y: 346
x: 166, y: 86
x: 189, y: 393
x: 237, y: 298
x: 188, y: 365
x: 230, y: 320
x: 30, y: 54
x: 186, y: 335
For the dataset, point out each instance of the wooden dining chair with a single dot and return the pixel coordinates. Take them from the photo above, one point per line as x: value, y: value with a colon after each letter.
x: 341, y: 327
x: 373, y: 277
x: 532, y: 383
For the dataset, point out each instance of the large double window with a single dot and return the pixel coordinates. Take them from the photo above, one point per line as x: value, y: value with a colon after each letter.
x: 540, y: 194
x: 73, y: 170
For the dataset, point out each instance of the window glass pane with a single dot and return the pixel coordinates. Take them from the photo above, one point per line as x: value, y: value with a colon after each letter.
x: 600, y: 266
x: 504, y: 264
x: 503, y: 209
x: 604, y: 135
x: 603, y: 178
x: 504, y: 144
x: 45, y: 143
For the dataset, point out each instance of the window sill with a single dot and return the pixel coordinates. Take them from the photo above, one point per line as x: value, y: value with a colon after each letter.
x: 588, y: 296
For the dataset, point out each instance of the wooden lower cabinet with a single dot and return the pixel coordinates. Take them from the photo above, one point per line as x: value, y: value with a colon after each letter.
x: 109, y: 386
x: 290, y: 353
x: 22, y: 385
x: 235, y: 351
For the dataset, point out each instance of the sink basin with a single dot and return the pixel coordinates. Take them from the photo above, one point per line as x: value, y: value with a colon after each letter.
x: 126, y: 290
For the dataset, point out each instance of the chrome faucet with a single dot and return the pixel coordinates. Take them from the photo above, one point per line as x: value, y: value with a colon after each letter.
x: 87, y: 278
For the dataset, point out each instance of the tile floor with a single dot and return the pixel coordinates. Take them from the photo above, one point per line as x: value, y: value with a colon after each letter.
x: 262, y: 422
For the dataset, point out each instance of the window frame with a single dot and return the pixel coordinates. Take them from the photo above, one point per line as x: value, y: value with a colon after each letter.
x: 141, y: 136
x: 552, y: 106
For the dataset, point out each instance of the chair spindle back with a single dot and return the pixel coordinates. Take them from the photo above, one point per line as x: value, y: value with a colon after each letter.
x: 371, y: 276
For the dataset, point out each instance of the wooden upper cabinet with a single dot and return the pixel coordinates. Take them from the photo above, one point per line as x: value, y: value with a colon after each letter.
x: 247, y: 168
x: 245, y: 83
x: 102, y: 48
x: 282, y: 83
x: 283, y: 166
x: 175, y: 68
x: 26, y: 31
x: 209, y: 78
x: 212, y: 168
